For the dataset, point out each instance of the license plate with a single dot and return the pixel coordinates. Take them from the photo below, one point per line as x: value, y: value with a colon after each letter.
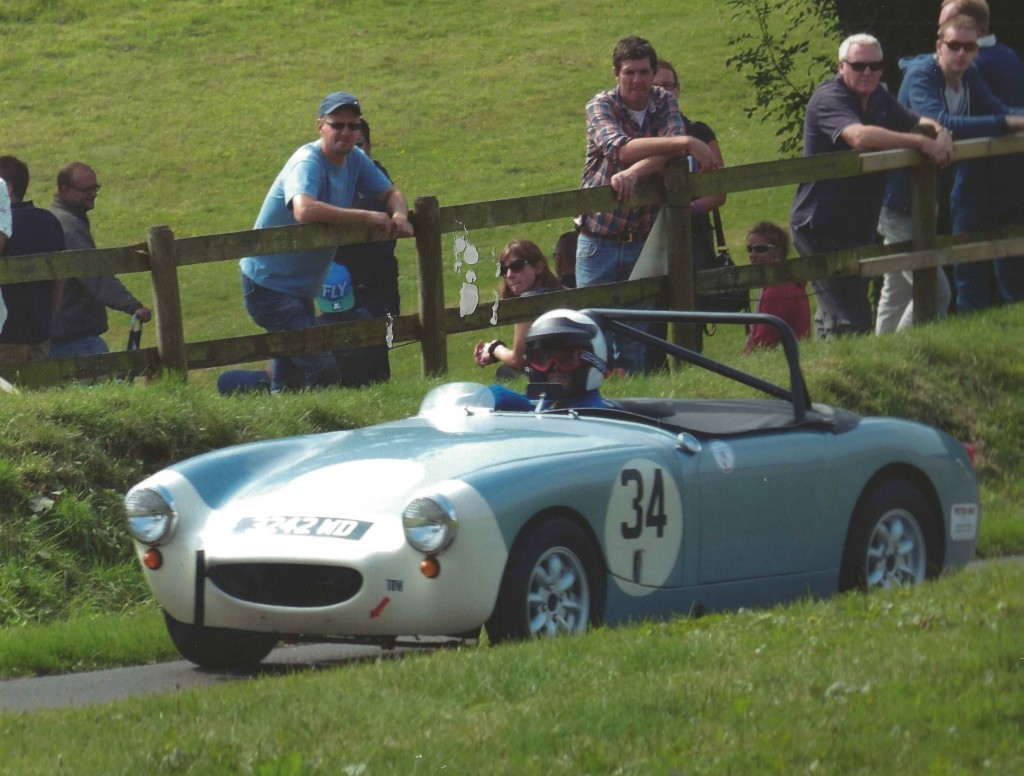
x: 329, y: 527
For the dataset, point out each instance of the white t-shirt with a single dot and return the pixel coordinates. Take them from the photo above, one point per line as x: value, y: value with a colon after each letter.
x: 5, y: 209
x: 5, y: 227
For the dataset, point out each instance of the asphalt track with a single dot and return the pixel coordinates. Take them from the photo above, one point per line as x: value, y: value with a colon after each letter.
x: 95, y: 687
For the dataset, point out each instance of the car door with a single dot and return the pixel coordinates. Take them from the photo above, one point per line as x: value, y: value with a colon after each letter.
x: 761, y: 505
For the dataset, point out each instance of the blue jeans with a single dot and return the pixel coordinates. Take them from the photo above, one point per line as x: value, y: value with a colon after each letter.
x: 275, y: 311
x: 82, y: 346
x: 601, y: 261
x: 974, y: 279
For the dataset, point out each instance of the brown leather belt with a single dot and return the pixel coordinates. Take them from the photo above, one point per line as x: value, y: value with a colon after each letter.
x: 622, y: 237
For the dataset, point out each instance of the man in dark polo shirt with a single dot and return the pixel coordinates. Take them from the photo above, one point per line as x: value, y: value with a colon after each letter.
x: 853, y: 110
x: 30, y: 306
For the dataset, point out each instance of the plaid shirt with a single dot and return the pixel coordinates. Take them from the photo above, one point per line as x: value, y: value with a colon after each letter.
x: 610, y: 126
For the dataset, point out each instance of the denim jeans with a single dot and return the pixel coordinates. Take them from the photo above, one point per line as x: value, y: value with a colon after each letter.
x: 81, y: 346
x: 601, y: 261
x: 275, y: 311
x: 974, y: 279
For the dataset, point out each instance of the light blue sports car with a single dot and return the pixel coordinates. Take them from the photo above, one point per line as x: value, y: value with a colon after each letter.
x: 548, y: 522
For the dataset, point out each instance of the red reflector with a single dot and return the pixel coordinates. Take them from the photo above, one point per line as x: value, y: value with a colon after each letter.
x: 430, y: 567
x: 969, y: 448
x: 152, y: 559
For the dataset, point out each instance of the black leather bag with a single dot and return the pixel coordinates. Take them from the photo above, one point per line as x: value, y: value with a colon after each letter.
x: 737, y: 301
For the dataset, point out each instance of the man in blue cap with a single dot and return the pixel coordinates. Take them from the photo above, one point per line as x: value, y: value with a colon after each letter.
x: 318, y: 184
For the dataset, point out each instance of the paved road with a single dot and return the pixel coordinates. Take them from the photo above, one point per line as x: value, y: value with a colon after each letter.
x: 113, y: 684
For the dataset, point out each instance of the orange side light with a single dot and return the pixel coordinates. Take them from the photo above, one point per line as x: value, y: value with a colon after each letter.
x: 430, y: 568
x: 152, y: 559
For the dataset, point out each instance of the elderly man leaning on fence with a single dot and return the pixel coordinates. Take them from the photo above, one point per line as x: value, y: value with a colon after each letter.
x: 853, y: 111
x: 318, y: 184
x: 632, y: 131
x: 30, y: 305
x: 82, y: 316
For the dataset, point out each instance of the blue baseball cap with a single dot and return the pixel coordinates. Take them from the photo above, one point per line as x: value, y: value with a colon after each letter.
x: 337, y: 295
x: 336, y: 100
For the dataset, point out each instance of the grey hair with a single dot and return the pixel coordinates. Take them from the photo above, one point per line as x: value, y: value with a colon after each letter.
x: 860, y: 39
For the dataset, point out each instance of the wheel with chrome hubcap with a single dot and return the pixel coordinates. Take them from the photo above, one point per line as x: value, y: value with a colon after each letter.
x: 553, y: 585
x: 890, y: 541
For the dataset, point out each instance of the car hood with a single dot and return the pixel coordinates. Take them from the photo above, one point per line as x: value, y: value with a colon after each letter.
x: 378, y: 465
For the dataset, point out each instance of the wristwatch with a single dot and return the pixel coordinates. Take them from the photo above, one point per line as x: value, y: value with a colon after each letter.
x: 491, y: 346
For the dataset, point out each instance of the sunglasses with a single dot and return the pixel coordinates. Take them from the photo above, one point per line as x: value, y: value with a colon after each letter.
x: 860, y: 67
x: 516, y: 265
x: 760, y: 248
x: 562, y: 359
x: 955, y: 45
x: 355, y: 126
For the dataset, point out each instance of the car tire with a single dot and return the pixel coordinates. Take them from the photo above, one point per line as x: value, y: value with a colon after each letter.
x: 219, y: 647
x: 553, y: 584
x: 889, y: 544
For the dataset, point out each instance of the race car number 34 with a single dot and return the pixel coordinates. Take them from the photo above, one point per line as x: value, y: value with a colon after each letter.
x: 330, y: 527
x: 643, y: 527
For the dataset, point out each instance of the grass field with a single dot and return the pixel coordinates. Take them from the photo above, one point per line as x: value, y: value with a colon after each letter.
x: 188, y: 114
x: 926, y: 681
x: 187, y: 110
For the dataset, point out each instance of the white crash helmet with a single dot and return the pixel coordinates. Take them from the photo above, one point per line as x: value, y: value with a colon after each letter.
x: 565, y: 329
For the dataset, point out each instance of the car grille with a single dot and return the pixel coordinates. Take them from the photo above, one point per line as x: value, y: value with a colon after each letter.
x: 286, y: 584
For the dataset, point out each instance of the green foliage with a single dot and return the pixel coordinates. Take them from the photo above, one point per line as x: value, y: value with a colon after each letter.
x: 783, y: 60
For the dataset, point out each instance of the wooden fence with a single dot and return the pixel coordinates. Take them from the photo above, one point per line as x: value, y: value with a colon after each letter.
x: 162, y: 255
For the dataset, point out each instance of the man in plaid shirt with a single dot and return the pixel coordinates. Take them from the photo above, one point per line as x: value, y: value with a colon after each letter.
x: 632, y: 131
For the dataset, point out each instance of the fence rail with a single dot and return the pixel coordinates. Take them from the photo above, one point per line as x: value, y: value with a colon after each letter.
x: 162, y: 256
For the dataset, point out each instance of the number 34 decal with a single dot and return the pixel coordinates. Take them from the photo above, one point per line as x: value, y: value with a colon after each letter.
x: 648, y: 511
x: 643, y: 529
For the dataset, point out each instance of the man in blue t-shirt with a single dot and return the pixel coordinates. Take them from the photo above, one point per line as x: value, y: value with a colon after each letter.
x: 318, y: 184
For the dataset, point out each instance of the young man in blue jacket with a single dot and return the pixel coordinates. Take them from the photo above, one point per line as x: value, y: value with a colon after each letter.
x: 946, y: 88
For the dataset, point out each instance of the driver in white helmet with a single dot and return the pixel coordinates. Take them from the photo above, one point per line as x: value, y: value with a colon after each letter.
x: 566, y: 361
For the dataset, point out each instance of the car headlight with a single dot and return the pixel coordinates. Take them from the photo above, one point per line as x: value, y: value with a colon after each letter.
x: 150, y: 514
x: 429, y: 523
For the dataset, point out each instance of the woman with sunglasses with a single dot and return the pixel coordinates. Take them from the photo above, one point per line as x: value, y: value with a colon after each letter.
x: 524, y: 272
x: 768, y: 243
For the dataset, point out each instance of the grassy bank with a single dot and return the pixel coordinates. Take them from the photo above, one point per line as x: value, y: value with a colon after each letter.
x: 924, y: 681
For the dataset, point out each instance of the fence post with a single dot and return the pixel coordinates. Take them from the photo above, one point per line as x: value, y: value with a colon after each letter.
x: 923, y: 213
x: 679, y: 228
x: 170, y: 330
x: 430, y: 263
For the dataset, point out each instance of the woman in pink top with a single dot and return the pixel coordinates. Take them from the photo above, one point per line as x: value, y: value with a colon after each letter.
x: 768, y: 242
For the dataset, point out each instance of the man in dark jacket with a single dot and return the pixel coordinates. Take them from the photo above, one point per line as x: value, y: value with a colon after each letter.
x: 30, y: 305
x: 82, y: 316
